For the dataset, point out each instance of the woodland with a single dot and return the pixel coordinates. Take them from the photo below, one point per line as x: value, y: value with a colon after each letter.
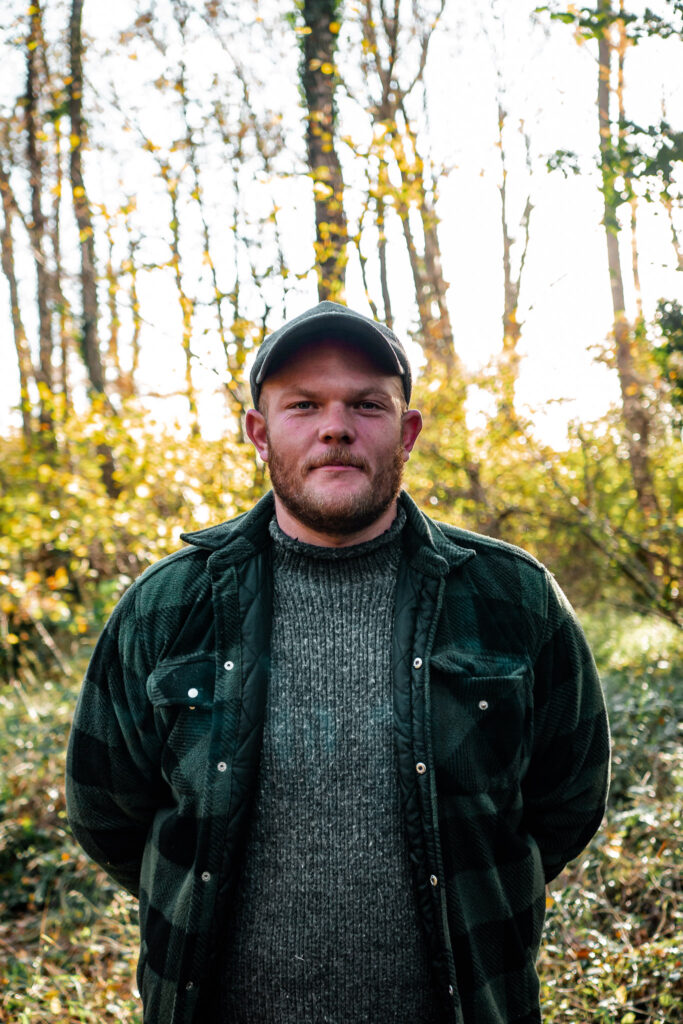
x: 177, y: 178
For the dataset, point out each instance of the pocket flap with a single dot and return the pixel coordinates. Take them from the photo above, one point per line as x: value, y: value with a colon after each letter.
x: 506, y: 667
x: 187, y: 682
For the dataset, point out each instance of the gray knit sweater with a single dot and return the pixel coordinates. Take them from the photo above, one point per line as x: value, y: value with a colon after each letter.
x: 325, y: 926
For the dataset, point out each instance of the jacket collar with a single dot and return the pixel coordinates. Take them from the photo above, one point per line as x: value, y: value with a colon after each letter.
x: 427, y: 547
x: 240, y: 537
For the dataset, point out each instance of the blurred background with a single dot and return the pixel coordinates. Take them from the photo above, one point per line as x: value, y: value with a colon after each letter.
x: 501, y: 183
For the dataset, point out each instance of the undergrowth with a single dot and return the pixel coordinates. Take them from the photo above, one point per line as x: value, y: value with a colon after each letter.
x: 613, y: 948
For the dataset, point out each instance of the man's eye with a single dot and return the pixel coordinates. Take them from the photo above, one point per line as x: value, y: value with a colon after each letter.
x: 368, y: 405
x: 303, y: 404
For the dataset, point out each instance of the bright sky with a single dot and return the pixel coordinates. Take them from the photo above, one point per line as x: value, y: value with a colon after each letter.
x: 551, y: 83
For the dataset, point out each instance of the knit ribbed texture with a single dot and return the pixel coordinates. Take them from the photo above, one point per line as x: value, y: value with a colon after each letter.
x: 325, y: 925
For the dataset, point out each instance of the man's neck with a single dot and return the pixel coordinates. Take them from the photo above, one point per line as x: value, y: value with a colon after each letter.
x: 300, y: 531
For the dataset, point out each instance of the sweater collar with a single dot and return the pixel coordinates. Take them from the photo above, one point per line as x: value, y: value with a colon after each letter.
x: 427, y: 547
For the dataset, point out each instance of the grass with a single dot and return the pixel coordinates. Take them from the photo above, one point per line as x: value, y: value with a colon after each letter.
x: 613, y: 950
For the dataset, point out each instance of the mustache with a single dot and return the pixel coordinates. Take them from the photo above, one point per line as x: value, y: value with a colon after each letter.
x: 337, y: 457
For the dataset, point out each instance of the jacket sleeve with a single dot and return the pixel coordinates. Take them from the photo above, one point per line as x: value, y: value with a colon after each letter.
x: 565, y: 787
x: 113, y: 783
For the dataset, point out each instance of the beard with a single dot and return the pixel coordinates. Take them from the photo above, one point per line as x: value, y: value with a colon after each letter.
x: 343, y: 514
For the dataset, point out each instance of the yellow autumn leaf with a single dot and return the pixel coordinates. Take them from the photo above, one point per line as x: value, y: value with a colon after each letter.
x: 59, y: 579
x: 32, y: 579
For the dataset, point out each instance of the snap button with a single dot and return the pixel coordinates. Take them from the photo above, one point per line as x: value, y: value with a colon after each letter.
x: 434, y: 880
x: 206, y: 876
x: 189, y: 985
x: 228, y: 665
x: 450, y: 990
x: 417, y: 663
x: 193, y: 692
x: 222, y: 766
x: 483, y: 705
x: 420, y: 767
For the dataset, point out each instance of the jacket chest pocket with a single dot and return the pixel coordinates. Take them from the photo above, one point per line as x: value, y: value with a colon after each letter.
x: 481, y: 720
x: 181, y: 692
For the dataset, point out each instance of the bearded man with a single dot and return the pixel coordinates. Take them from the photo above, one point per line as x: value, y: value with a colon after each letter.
x: 338, y: 749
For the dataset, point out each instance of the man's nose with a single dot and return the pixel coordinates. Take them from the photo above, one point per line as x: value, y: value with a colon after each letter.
x: 337, y: 424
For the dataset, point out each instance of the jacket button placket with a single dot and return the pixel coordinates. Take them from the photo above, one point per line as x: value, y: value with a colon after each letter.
x: 228, y: 666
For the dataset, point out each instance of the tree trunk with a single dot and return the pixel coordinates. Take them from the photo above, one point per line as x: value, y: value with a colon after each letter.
x: 26, y: 373
x: 318, y: 77
x: 111, y: 276
x: 185, y: 301
x: 62, y: 308
x: 37, y: 226
x: 512, y: 329
x: 90, y: 345
x: 89, y: 337
x: 437, y: 322
x: 636, y: 415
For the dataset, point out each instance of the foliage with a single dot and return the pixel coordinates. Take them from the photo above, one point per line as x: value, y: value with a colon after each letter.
x: 67, y: 934
x: 669, y: 352
x: 575, y: 509
x: 615, y: 924
x: 614, y: 932
x: 68, y: 548
x: 593, y: 22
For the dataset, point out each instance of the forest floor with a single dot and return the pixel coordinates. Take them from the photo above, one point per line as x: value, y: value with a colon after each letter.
x: 613, y: 948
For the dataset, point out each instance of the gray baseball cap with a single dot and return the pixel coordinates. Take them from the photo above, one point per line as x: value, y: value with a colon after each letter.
x: 330, y: 320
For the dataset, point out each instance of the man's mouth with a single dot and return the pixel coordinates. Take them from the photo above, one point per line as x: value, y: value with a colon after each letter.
x: 338, y: 463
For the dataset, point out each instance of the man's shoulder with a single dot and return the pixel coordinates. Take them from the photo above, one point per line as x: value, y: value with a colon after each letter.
x: 173, y: 566
x: 491, y: 548
x: 187, y: 566
x: 172, y: 582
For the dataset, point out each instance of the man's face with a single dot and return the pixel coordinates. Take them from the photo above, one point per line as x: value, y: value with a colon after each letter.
x: 335, y: 434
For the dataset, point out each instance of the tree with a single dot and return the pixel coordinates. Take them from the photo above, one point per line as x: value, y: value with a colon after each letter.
x: 90, y: 345
x: 322, y: 23
x: 635, y: 405
x: 36, y: 225
x: 24, y: 360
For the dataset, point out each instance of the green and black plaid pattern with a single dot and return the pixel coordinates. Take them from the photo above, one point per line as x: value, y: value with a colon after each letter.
x: 500, y: 729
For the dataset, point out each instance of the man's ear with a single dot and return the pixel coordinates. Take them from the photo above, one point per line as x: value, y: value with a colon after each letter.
x: 255, y: 424
x: 411, y: 425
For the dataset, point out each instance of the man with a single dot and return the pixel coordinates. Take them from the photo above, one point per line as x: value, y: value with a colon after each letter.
x: 336, y: 748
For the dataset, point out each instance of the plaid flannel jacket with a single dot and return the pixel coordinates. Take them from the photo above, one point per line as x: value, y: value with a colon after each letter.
x: 500, y: 729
